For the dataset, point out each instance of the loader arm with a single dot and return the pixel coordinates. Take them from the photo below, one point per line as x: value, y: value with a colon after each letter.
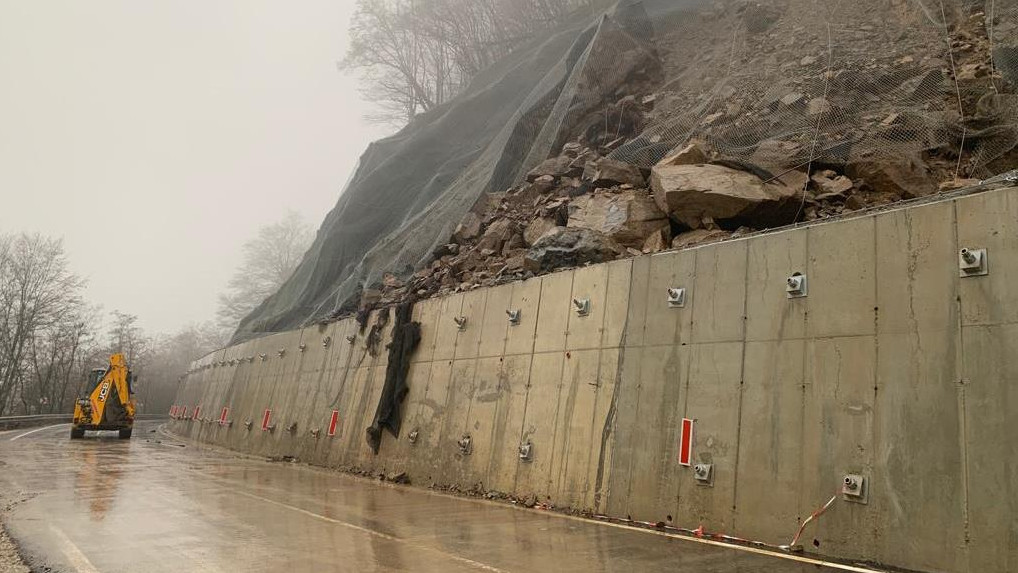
x: 109, y: 406
x: 115, y: 381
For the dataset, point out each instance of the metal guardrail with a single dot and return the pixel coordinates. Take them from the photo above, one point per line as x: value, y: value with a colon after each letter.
x: 15, y: 422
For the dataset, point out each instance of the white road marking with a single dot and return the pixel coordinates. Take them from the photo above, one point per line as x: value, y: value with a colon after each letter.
x: 678, y: 537
x: 386, y: 536
x: 37, y: 430
x: 726, y: 545
x: 77, y: 559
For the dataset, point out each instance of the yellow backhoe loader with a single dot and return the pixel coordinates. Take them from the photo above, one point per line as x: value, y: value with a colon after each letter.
x: 109, y: 404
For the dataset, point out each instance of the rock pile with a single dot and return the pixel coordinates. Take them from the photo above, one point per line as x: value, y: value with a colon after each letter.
x: 628, y: 190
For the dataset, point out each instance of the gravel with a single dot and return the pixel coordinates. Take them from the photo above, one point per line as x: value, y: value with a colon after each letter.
x: 10, y: 561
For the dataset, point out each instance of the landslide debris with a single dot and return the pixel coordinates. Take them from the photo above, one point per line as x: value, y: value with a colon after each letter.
x: 641, y: 165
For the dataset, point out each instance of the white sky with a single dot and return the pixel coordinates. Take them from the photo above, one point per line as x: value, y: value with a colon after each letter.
x: 156, y: 136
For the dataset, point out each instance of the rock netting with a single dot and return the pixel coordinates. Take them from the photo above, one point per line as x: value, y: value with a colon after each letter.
x: 624, y: 188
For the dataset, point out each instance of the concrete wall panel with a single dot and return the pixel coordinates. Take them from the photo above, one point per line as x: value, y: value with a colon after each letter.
x: 991, y: 442
x: 627, y: 434
x: 469, y: 339
x: 770, y: 472
x: 770, y: 314
x: 488, y: 389
x: 918, y: 395
x: 447, y: 332
x: 712, y: 401
x: 990, y: 221
x: 401, y: 450
x: 841, y: 279
x: 539, y: 424
x: 353, y: 404
x: 656, y: 420
x: 455, y: 465
x: 495, y: 322
x: 425, y: 462
x: 585, y: 332
x: 663, y: 324
x: 427, y: 312
x: 507, y: 422
x: 617, y: 303
x: 720, y: 293
x: 553, y: 314
x: 838, y: 434
x: 603, y: 431
x: 636, y: 316
x: 526, y: 297
x: 574, y: 437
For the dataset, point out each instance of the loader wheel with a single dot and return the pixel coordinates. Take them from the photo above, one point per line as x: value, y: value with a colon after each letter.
x: 77, y: 434
x: 125, y: 434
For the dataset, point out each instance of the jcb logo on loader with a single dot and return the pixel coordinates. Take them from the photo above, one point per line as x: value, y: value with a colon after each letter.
x: 103, y: 392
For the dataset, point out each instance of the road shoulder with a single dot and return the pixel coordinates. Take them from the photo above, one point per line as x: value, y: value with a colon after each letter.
x: 10, y: 559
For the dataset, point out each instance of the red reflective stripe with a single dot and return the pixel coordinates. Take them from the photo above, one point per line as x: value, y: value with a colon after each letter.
x: 333, y: 422
x: 686, y: 443
x: 265, y: 419
x: 197, y: 411
x: 222, y: 416
x: 184, y: 415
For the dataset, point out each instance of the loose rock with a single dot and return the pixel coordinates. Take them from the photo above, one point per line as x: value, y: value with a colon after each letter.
x: 565, y: 247
x: 611, y: 173
x: 691, y: 193
x: 906, y: 176
x: 691, y: 154
x: 628, y: 217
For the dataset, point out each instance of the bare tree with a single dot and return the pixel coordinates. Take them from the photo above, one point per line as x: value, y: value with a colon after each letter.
x: 50, y: 338
x: 159, y: 377
x: 127, y: 338
x: 418, y: 54
x: 37, y: 294
x: 60, y: 356
x: 269, y: 260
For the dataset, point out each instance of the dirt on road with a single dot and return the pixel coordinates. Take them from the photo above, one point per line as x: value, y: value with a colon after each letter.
x: 10, y: 561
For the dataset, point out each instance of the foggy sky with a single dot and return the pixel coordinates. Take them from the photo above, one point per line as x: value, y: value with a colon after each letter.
x: 157, y: 136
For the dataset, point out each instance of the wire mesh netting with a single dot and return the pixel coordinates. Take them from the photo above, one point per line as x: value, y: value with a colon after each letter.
x: 774, y: 86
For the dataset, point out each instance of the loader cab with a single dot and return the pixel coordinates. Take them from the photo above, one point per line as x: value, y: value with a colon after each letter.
x: 94, y: 378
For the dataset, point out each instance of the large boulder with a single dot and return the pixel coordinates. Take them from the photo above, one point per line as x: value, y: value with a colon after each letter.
x: 699, y: 236
x: 565, y: 247
x: 904, y: 176
x: 628, y: 217
x: 496, y: 235
x: 692, y: 194
x: 555, y: 167
x: 468, y: 229
x: 537, y: 228
x: 611, y: 172
x: 693, y: 153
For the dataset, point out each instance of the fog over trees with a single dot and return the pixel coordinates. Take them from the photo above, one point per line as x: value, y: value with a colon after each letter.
x: 51, y: 337
x: 268, y: 261
x: 415, y: 55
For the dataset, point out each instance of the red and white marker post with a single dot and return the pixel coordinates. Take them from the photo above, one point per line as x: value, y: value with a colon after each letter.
x: 686, y: 443
x: 197, y: 411
x: 265, y: 419
x: 222, y: 416
x: 333, y: 422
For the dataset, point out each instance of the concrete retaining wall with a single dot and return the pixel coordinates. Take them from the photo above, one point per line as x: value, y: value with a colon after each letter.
x: 893, y: 367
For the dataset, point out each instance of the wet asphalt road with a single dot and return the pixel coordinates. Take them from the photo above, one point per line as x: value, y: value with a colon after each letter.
x: 155, y: 504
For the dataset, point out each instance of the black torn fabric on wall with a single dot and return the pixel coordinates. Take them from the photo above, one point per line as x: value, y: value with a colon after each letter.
x: 406, y: 335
